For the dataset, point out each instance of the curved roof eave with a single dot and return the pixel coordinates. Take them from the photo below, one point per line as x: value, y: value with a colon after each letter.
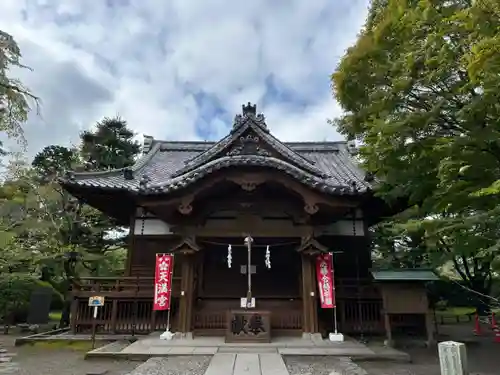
x: 142, y: 162
x: 187, y: 179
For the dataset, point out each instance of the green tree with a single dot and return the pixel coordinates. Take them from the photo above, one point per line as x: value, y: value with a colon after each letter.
x: 110, y: 146
x: 54, y: 161
x: 14, y: 97
x: 420, y: 94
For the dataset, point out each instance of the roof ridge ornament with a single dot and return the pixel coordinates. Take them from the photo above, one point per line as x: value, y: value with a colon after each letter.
x: 144, y: 181
x: 249, y: 113
x: 147, y: 143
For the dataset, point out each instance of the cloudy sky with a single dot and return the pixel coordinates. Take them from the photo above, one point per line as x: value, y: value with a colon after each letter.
x: 180, y: 69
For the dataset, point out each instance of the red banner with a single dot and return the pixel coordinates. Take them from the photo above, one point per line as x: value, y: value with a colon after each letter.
x: 163, y: 281
x: 324, y: 274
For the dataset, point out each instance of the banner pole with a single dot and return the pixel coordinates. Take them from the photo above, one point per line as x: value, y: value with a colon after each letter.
x: 335, y: 326
x: 170, y: 298
x: 168, y: 319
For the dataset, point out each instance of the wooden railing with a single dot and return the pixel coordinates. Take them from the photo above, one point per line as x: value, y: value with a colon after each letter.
x: 364, y: 316
x: 128, y: 308
x: 120, y: 316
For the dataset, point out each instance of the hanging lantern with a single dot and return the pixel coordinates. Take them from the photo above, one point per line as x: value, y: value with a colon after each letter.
x: 268, y: 257
x: 229, y: 256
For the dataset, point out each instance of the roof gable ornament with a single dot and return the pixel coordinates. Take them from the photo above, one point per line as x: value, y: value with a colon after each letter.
x: 251, y: 141
x: 249, y: 113
x: 248, y: 145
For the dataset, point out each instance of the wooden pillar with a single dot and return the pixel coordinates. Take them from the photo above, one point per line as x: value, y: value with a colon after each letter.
x: 310, y: 313
x: 131, y: 246
x: 186, y: 296
x: 306, y: 319
x: 114, y: 315
x: 313, y: 303
x: 73, y: 313
x: 387, y: 317
x: 388, y: 329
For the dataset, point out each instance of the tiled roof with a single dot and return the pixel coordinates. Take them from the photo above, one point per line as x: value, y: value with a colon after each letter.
x: 170, y: 166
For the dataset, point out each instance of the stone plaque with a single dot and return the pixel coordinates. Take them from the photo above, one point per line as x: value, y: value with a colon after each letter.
x: 452, y: 358
x: 39, y: 309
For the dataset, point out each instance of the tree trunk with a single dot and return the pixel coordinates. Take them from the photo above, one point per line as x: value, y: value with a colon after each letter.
x: 480, y: 298
x: 66, y: 310
x: 65, y: 314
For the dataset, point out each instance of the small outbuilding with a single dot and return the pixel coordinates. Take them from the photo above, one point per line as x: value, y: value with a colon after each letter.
x: 405, y: 304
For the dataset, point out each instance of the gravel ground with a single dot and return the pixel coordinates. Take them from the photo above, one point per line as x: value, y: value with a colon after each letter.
x: 321, y: 365
x: 482, y: 359
x: 182, y: 365
x: 51, y: 360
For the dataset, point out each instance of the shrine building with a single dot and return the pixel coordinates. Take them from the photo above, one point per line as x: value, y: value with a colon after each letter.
x: 200, y: 200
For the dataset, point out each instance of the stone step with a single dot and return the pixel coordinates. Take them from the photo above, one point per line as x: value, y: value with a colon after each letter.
x: 221, y: 364
x: 247, y: 364
x: 272, y: 364
x: 239, y: 349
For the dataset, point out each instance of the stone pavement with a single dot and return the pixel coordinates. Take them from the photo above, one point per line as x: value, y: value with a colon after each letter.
x: 247, y: 364
x: 153, y: 346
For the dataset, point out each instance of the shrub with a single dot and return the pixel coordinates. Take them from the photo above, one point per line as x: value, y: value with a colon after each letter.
x: 15, y: 294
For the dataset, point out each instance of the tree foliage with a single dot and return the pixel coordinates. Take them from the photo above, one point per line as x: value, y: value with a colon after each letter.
x: 15, y: 98
x: 110, y: 146
x: 40, y: 223
x: 54, y: 161
x: 420, y: 94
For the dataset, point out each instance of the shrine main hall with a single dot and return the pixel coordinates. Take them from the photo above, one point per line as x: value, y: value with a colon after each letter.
x: 200, y: 200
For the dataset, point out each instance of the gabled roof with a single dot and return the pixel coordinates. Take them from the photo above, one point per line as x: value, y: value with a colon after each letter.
x: 251, y: 126
x: 170, y: 166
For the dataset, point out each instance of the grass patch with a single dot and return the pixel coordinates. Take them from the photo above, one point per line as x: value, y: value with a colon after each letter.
x: 460, y: 311
x: 55, y: 316
x: 459, y: 315
x: 456, y: 311
x: 78, y: 346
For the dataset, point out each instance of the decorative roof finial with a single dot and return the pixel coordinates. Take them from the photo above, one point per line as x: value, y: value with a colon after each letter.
x: 249, y: 109
x: 249, y: 115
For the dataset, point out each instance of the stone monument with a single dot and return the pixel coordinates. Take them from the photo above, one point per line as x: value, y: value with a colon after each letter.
x: 452, y: 358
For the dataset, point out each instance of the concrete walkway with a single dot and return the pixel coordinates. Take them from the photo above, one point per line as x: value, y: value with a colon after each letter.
x: 246, y: 364
x: 153, y: 346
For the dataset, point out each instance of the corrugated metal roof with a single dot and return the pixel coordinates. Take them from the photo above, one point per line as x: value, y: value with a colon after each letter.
x: 404, y: 275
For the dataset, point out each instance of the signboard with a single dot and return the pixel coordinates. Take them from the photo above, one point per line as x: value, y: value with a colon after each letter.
x: 245, y: 305
x: 324, y: 274
x: 163, y: 281
x: 96, y: 301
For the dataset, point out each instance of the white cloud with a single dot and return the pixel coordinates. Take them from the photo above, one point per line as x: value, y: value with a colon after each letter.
x: 151, y: 60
